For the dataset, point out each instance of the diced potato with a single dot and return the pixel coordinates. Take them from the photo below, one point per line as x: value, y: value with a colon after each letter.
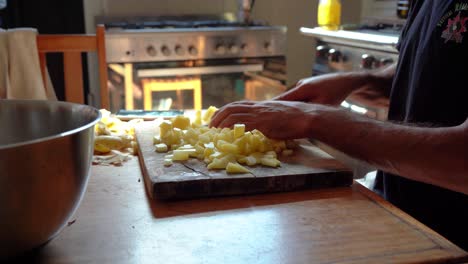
x: 209, y: 114
x: 208, y: 152
x: 101, y: 129
x: 126, y: 140
x: 190, y: 134
x: 111, y: 126
x: 181, y: 122
x: 101, y: 148
x: 165, y: 127
x: 167, y: 162
x: 180, y: 155
x: 199, y: 149
x: 198, y: 120
x: 239, y: 130
x: 218, y: 147
x: 251, y: 161
x: 217, y: 164
x: 186, y: 146
x: 189, y: 152
x: 270, y: 162
x: 161, y: 147
x: 156, y: 140
x: 236, y: 168
x: 228, y: 147
x: 287, y: 152
x: 111, y: 142
x: 204, y: 138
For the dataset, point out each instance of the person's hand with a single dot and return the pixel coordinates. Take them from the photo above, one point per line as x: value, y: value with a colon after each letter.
x: 329, y: 89
x: 275, y: 119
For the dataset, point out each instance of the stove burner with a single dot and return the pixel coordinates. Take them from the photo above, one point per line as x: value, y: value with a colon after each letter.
x: 180, y: 24
x: 382, y: 27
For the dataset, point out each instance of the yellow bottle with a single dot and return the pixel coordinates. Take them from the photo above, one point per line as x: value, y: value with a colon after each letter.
x: 329, y: 14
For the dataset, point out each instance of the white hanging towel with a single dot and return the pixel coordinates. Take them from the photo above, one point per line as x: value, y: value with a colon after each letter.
x: 23, y: 74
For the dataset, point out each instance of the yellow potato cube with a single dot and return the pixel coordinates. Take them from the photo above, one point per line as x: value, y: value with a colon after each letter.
x: 180, y: 155
x: 167, y: 162
x: 251, y: 161
x: 101, y: 148
x: 236, y: 168
x: 190, y: 151
x: 208, y: 152
x: 161, y: 147
x: 218, y: 164
x: 165, y: 127
x: 239, y: 130
x: 198, y: 119
x: 270, y: 162
x: 156, y: 140
x: 204, y: 138
x: 181, y: 122
x: 209, y: 114
x: 228, y: 147
x: 111, y: 142
x: 101, y: 129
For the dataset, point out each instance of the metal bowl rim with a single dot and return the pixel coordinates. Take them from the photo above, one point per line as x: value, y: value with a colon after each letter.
x: 55, y: 136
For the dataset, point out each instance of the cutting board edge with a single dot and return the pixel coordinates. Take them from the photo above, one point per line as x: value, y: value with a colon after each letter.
x: 222, y: 187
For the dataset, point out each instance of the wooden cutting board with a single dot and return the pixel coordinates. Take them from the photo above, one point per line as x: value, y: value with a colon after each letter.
x: 308, y: 167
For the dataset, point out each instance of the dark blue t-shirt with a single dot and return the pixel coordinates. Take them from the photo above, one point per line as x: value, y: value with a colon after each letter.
x: 431, y: 87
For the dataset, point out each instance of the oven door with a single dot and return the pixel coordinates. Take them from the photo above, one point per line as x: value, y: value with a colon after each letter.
x: 194, y: 84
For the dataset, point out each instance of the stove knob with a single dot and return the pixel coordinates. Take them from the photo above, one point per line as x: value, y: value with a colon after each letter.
x: 335, y: 55
x: 321, y: 52
x: 386, y: 61
x: 179, y: 50
x: 244, y: 47
x: 267, y: 46
x: 165, y: 51
x: 367, y: 61
x: 233, y: 48
x: 193, y: 50
x: 151, y: 51
x: 220, y: 49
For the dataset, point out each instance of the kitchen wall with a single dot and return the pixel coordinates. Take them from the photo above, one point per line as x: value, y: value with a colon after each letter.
x: 293, y: 14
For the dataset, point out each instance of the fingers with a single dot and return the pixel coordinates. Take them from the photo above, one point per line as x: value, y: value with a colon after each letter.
x: 229, y: 109
x: 239, y: 118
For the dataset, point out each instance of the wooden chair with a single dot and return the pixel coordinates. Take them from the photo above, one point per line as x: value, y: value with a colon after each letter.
x: 72, y: 45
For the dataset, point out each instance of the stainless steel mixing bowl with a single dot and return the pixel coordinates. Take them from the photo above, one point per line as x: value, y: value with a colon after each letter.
x: 45, y: 155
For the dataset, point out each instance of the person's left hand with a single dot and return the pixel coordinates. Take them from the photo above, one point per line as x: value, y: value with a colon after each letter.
x: 275, y: 119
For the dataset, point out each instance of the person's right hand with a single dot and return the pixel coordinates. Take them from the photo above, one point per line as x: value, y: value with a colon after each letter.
x: 331, y: 89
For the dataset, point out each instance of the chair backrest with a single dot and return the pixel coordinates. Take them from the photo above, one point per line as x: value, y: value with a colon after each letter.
x: 72, y: 45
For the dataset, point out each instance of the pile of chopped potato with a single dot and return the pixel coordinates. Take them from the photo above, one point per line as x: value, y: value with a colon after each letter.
x: 112, y: 133
x: 219, y: 148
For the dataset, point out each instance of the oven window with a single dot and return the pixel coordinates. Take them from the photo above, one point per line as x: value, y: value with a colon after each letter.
x: 194, y: 84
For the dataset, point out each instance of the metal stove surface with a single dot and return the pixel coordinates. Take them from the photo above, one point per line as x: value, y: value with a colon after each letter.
x: 181, y: 39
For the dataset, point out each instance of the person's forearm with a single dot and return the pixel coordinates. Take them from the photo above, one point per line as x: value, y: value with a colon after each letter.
x: 379, y: 79
x: 382, y: 78
x: 436, y: 156
x: 376, y: 90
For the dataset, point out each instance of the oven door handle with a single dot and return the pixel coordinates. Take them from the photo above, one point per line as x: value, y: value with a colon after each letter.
x: 148, y: 73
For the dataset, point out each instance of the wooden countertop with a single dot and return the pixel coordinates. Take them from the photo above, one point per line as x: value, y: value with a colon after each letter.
x: 118, y: 223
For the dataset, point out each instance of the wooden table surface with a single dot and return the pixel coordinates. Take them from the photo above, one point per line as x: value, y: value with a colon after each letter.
x: 118, y: 223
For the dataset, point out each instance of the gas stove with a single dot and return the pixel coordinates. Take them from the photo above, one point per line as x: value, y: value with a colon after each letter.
x: 190, y: 38
x: 357, y: 48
